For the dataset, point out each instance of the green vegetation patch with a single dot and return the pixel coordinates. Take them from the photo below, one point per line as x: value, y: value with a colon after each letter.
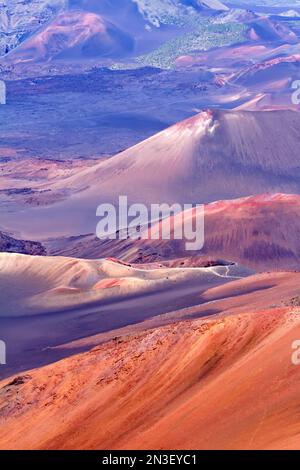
x: 204, y: 36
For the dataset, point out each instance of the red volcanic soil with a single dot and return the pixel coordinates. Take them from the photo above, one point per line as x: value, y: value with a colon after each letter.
x: 225, y: 56
x: 219, y: 383
x: 115, y: 260
x: 108, y: 284
x: 75, y: 35
x: 265, y: 29
x: 261, y: 232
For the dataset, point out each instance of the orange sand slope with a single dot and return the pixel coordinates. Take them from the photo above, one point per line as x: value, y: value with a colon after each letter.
x: 227, y: 382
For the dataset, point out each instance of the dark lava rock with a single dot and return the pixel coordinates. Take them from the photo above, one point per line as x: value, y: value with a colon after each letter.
x: 11, y: 245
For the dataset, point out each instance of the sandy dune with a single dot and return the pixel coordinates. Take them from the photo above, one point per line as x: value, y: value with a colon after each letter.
x: 52, y: 308
x: 48, y: 302
x: 224, y: 383
x: 56, y: 284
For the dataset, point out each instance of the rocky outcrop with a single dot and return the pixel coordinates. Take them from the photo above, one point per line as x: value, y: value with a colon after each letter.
x: 11, y: 245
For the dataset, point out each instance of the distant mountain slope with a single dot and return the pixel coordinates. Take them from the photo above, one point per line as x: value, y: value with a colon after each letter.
x: 46, y: 35
x: 264, y: 29
x: 260, y: 28
x: 260, y: 232
x: 214, y: 155
x: 149, y: 23
x: 267, y: 72
x: 73, y: 35
x: 19, y: 19
x: 155, y: 12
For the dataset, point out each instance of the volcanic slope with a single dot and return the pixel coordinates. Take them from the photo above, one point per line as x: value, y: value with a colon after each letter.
x: 261, y: 232
x: 75, y: 35
x: 219, y: 383
x: 213, y: 156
